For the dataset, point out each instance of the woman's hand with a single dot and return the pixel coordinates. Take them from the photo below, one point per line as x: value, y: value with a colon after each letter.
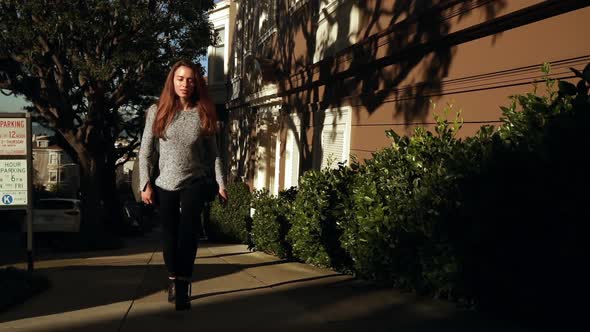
x: 223, y: 195
x: 147, y: 196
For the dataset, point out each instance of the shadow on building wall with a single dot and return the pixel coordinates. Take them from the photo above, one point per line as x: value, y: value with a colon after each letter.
x: 396, y: 58
x: 408, y: 33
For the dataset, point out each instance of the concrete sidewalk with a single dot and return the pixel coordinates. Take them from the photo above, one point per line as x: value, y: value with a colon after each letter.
x: 233, y: 289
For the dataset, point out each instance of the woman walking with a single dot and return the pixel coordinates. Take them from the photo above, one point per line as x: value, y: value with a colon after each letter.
x: 182, y: 126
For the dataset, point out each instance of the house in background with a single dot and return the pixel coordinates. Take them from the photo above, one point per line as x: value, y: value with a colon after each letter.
x: 217, y: 65
x: 312, y: 82
x: 53, y: 168
x: 217, y: 55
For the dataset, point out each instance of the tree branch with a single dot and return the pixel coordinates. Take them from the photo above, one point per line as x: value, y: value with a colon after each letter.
x: 48, y: 114
x: 127, y: 152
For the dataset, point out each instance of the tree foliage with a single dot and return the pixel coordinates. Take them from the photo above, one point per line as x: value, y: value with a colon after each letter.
x: 79, y: 62
x: 90, y: 67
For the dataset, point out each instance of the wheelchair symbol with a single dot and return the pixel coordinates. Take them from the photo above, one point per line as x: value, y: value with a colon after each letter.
x: 7, y: 199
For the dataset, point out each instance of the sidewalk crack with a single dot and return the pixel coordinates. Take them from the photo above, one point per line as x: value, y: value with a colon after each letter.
x: 137, y: 290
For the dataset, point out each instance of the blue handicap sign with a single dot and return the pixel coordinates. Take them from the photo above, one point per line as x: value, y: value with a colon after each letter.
x: 7, y: 199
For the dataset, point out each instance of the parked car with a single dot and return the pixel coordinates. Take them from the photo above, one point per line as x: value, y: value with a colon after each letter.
x: 56, y: 215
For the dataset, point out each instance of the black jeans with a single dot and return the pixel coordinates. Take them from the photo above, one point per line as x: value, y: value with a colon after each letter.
x: 180, y: 213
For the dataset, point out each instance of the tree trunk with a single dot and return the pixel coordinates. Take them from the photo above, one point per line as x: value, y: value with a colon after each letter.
x: 110, y: 196
x: 90, y: 188
x: 100, y: 200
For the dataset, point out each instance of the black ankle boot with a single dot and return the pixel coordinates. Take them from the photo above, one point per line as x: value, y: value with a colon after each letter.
x: 182, y: 300
x: 171, y: 291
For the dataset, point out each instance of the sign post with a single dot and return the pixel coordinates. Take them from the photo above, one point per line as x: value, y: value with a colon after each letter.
x: 16, y: 170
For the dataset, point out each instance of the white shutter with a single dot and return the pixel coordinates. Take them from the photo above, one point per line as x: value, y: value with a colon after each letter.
x: 335, y: 137
x: 292, y: 156
x: 333, y: 146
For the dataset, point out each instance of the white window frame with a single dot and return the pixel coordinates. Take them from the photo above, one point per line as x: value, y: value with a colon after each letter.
x: 270, y: 17
x: 54, y: 172
x: 213, y: 52
x: 295, y: 5
x: 327, y: 33
x: 53, y: 158
x: 219, y: 17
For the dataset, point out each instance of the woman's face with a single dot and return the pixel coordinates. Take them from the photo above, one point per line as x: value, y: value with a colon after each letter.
x: 184, y: 82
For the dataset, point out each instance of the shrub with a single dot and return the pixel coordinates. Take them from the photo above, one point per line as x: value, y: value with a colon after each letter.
x: 232, y: 222
x: 495, y: 220
x: 392, y: 233
x: 317, y: 212
x: 519, y: 228
x: 271, y: 221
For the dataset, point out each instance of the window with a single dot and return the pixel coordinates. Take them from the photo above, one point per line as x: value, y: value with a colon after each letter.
x: 266, y: 20
x: 296, y: 4
x: 53, y: 158
x: 333, y: 34
x: 52, y: 176
x: 334, y: 147
x: 217, y: 58
x: 268, y: 149
x: 238, y: 49
x: 42, y: 144
x: 266, y: 161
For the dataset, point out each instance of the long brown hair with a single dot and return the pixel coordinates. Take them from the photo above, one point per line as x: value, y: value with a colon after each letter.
x: 169, y: 103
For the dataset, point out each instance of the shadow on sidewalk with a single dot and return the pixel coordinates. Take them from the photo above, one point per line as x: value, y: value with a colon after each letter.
x: 16, y: 251
x: 200, y: 296
x: 321, y: 303
x: 80, y: 287
x: 227, y: 255
x: 310, y: 304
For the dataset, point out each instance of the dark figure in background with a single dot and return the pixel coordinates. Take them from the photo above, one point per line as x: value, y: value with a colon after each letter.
x: 182, y: 127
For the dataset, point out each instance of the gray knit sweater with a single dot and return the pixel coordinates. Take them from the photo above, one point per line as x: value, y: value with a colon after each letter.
x: 185, y: 154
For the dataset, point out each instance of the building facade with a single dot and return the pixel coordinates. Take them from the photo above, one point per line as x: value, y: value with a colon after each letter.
x: 217, y: 55
x: 312, y: 82
x: 53, y: 168
x: 218, y: 63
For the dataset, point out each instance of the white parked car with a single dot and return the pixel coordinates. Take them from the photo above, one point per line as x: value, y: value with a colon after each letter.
x: 56, y: 215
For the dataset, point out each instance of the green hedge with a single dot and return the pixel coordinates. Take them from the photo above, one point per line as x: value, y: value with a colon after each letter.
x: 320, y: 204
x: 495, y: 220
x: 397, y: 198
x: 231, y: 221
x: 271, y: 222
x: 519, y: 229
